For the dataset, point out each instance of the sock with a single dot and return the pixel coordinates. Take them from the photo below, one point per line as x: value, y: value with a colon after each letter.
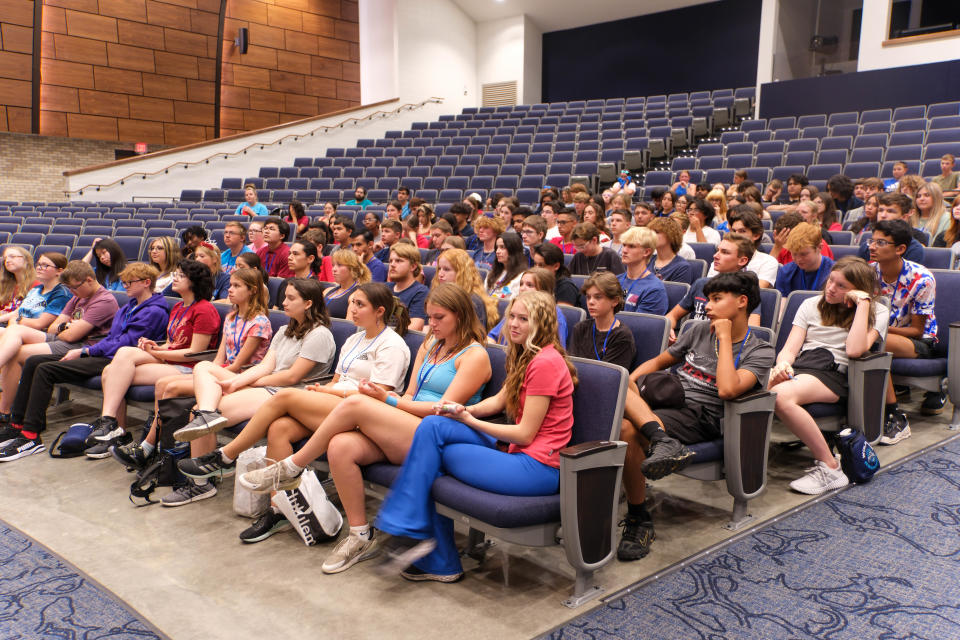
x: 32, y: 435
x: 891, y: 408
x: 291, y: 467
x: 224, y: 457
x: 652, y: 431
x: 147, y: 447
x: 638, y: 511
x: 364, y: 532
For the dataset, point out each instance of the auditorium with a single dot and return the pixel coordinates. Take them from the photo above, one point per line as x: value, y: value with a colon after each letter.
x: 490, y: 318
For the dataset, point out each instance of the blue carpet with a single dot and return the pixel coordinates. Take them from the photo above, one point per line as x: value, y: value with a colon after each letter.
x: 43, y: 596
x: 880, y: 560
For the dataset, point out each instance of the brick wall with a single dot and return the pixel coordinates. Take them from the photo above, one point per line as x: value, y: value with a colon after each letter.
x: 303, y: 59
x: 16, y: 50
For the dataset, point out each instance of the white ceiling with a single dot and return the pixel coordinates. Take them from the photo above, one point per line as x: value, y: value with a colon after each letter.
x: 553, y: 15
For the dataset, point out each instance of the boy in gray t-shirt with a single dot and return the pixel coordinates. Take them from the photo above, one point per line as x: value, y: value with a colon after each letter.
x: 719, y: 359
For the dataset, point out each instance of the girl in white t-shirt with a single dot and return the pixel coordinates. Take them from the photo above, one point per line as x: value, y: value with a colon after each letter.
x: 828, y: 330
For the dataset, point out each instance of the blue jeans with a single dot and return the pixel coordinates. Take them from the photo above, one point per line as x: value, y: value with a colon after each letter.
x: 445, y: 445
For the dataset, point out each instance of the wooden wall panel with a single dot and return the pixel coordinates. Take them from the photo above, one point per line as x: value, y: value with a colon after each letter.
x: 16, y: 65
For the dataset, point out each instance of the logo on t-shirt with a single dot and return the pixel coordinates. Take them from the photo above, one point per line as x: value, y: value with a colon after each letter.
x: 699, y: 308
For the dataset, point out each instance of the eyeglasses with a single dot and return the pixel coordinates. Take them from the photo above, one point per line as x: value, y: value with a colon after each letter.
x: 528, y: 232
x: 255, y: 231
x: 128, y: 283
x: 176, y: 275
x: 45, y: 265
x: 73, y: 288
x: 878, y: 242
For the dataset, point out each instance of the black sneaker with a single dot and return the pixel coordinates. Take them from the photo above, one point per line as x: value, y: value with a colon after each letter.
x: 666, y: 456
x: 188, y: 493
x: 203, y: 423
x: 20, y: 447
x: 8, y: 432
x: 132, y: 456
x: 102, y: 449
x: 399, y: 552
x: 104, y: 429
x: 896, y: 428
x: 933, y: 403
x: 269, y: 523
x: 635, y: 539
x: 207, y: 466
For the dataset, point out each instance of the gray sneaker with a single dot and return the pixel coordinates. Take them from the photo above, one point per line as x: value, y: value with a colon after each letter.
x: 350, y: 551
x: 190, y: 492
x: 203, y: 423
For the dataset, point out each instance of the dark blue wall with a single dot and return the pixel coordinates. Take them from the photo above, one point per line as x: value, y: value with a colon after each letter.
x: 879, y: 89
x: 707, y: 46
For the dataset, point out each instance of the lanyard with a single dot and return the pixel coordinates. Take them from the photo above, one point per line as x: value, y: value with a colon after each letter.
x: 803, y: 277
x: 173, y: 328
x: 336, y: 296
x: 425, y: 373
x: 348, y: 362
x: 232, y: 353
x: 632, y: 282
x: 126, y: 317
x: 736, y: 361
x: 603, y: 352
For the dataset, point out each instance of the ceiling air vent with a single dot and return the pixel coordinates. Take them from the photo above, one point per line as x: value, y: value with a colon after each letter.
x: 500, y: 94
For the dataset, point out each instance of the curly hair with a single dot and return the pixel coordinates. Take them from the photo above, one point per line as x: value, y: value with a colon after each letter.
x: 200, y: 277
x: 468, y: 279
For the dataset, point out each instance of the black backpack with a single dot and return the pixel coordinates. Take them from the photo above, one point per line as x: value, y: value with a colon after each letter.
x: 163, y: 472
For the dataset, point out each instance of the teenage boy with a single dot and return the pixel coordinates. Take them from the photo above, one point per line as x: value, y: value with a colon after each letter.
x: 488, y: 230
x: 390, y: 232
x: 532, y: 233
x: 896, y: 206
x: 948, y: 178
x: 642, y: 214
x: 403, y: 196
x: 359, y: 198
x: 590, y: 256
x: 899, y: 170
x: 810, y: 268
x: 618, y: 222
x: 144, y: 316
x: 548, y: 211
x: 795, y: 184
x: 781, y: 232
x: 342, y: 229
x: 840, y: 188
x: 643, y: 291
x: 566, y: 221
x: 912, y: 332
x: 439, y: 232
x: 463, y: 212
x: 868, y: 187
x: 700, y: 214
x: 274, y: 252
x: 732, y: 256
x: 402, y: 276
x: 251, y: 207
x: 743, y: 220
x: 233, y: 235
x: 362, y: 244
x: 720, y: 360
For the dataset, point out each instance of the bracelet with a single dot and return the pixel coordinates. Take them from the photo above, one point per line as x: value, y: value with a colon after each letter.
x: 393, y: 401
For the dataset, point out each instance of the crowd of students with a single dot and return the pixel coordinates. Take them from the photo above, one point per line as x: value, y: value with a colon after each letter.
x: 64, y: 324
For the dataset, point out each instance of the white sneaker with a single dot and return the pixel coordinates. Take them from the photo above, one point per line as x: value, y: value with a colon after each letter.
x: 274, y: 477
x: 350, y: 551
x: 820, y: 478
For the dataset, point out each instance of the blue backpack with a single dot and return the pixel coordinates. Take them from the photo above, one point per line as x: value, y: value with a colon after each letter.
x: 857, y: 458
x: 72, y: 442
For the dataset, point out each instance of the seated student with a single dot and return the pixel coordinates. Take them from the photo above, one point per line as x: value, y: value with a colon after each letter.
x: 464, y: 212
x: 593, y: 213
x: 864, y: 223
x: 948, y: 238
x: 402, y: 280
x: 251, y: 207
x: 191, y: 238
x: 668, y: 265
x: 870, y: 187
x: 910, y: 184
x: 107, y: 259
x: 374, y: 356
x: 619, y: 221
x: 789, y: 200
x: 591, y: 256
x: 718, y: 200
x: 812, y: 214
x: 912, y: 332
x: 548, y: 211
x: 305, y: 262
x: 342, y: 228
x: 896, y: 206
x: 348, y: 273
x: 624, y: 184
x: 732, y: 256
x: 772, y: 192
x: 209, y: 256
x: 275, y: 251
x: 841, y: 323
x: 362, y: 244
x: 602, y: 337
x: 504, y: 277
x: 948, y: 178
x: 440, y: 230
x: 720, y: 360
x: 548, y: 256
x: 451, y: 367
x: 390, y: 232
x: 371, y: 222
x: 538, y: 398
x: 487, y: 230
x: 534, y: 279
x: 810, y: 268
x: 233, y: 235
x: 643, y: 290
x: 16, y: 278
x: 532, y: 234
x: 744, y: 221
x: 144, y: 316
x: 701, y: 214
x: 739, y: 177
x: 931, y: 214
x: 419, y: 225
x: 44, y: 302
x: 685, y: 251
x: 683, y: 186
x: 566, y: 221
x: 359, y: 198
x: 455, y: 266
x: 643, y: 213
x: 296, y: 217
x: 781, y: 231
x: 898, y: 171
x: 404, y: 199
x: 194, y: 325
x: 87, y: 314
x: 255, y: 235
x: 840, y: 190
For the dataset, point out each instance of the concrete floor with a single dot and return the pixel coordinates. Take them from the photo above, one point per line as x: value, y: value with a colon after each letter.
x: 185, y: 570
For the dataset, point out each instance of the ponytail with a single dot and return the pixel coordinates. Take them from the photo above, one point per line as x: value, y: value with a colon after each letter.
x: 399, y: 317
x: 395, y: 313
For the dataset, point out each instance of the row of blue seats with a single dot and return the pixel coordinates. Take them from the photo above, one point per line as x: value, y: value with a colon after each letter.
x: 803, y: 159
x: 918, y: 125
x: 833, y: 143
x: 868, y: 116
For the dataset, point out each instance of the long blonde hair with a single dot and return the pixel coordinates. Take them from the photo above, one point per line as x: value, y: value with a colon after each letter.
x: 468, y: 279
x: 542, y: 317
x: 171, y: 250
x: 10, y: 287
x: 938, y: 210
x: 347, y: 258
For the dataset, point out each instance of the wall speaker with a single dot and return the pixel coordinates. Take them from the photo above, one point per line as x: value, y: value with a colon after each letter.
x: 242, y: 40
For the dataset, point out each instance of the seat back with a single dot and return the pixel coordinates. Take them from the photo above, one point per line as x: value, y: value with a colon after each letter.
x: 650, y: 334
x: 598, y: 400
x: 790, y: 311
x: 675, y: 292
x: 769, y: 308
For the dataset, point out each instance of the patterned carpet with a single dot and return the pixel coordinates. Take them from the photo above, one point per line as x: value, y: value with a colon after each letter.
x: 881, y: 560
x: 43, y: 596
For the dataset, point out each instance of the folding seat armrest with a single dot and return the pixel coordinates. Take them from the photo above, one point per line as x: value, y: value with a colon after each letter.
x: 590, y: 475
x: 209, y: 354
x: 867, y: 381
x: 746, y: 436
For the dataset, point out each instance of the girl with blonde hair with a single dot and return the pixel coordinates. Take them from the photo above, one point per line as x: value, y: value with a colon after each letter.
x: 718, y: 199
x: 455, y: 266
x: 349, y: 273
x: 932, y: 214
x: 164, y: 255
x: 16, y: 278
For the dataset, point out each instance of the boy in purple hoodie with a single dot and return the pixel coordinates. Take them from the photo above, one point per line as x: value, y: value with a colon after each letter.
x: 144, y: 316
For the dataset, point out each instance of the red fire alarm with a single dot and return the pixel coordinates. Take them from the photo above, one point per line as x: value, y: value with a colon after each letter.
x: 140, y: 147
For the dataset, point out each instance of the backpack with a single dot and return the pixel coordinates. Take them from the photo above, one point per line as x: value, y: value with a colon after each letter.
x: 72, y: 442
x: 172, y: 414
x: 857, y: 458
